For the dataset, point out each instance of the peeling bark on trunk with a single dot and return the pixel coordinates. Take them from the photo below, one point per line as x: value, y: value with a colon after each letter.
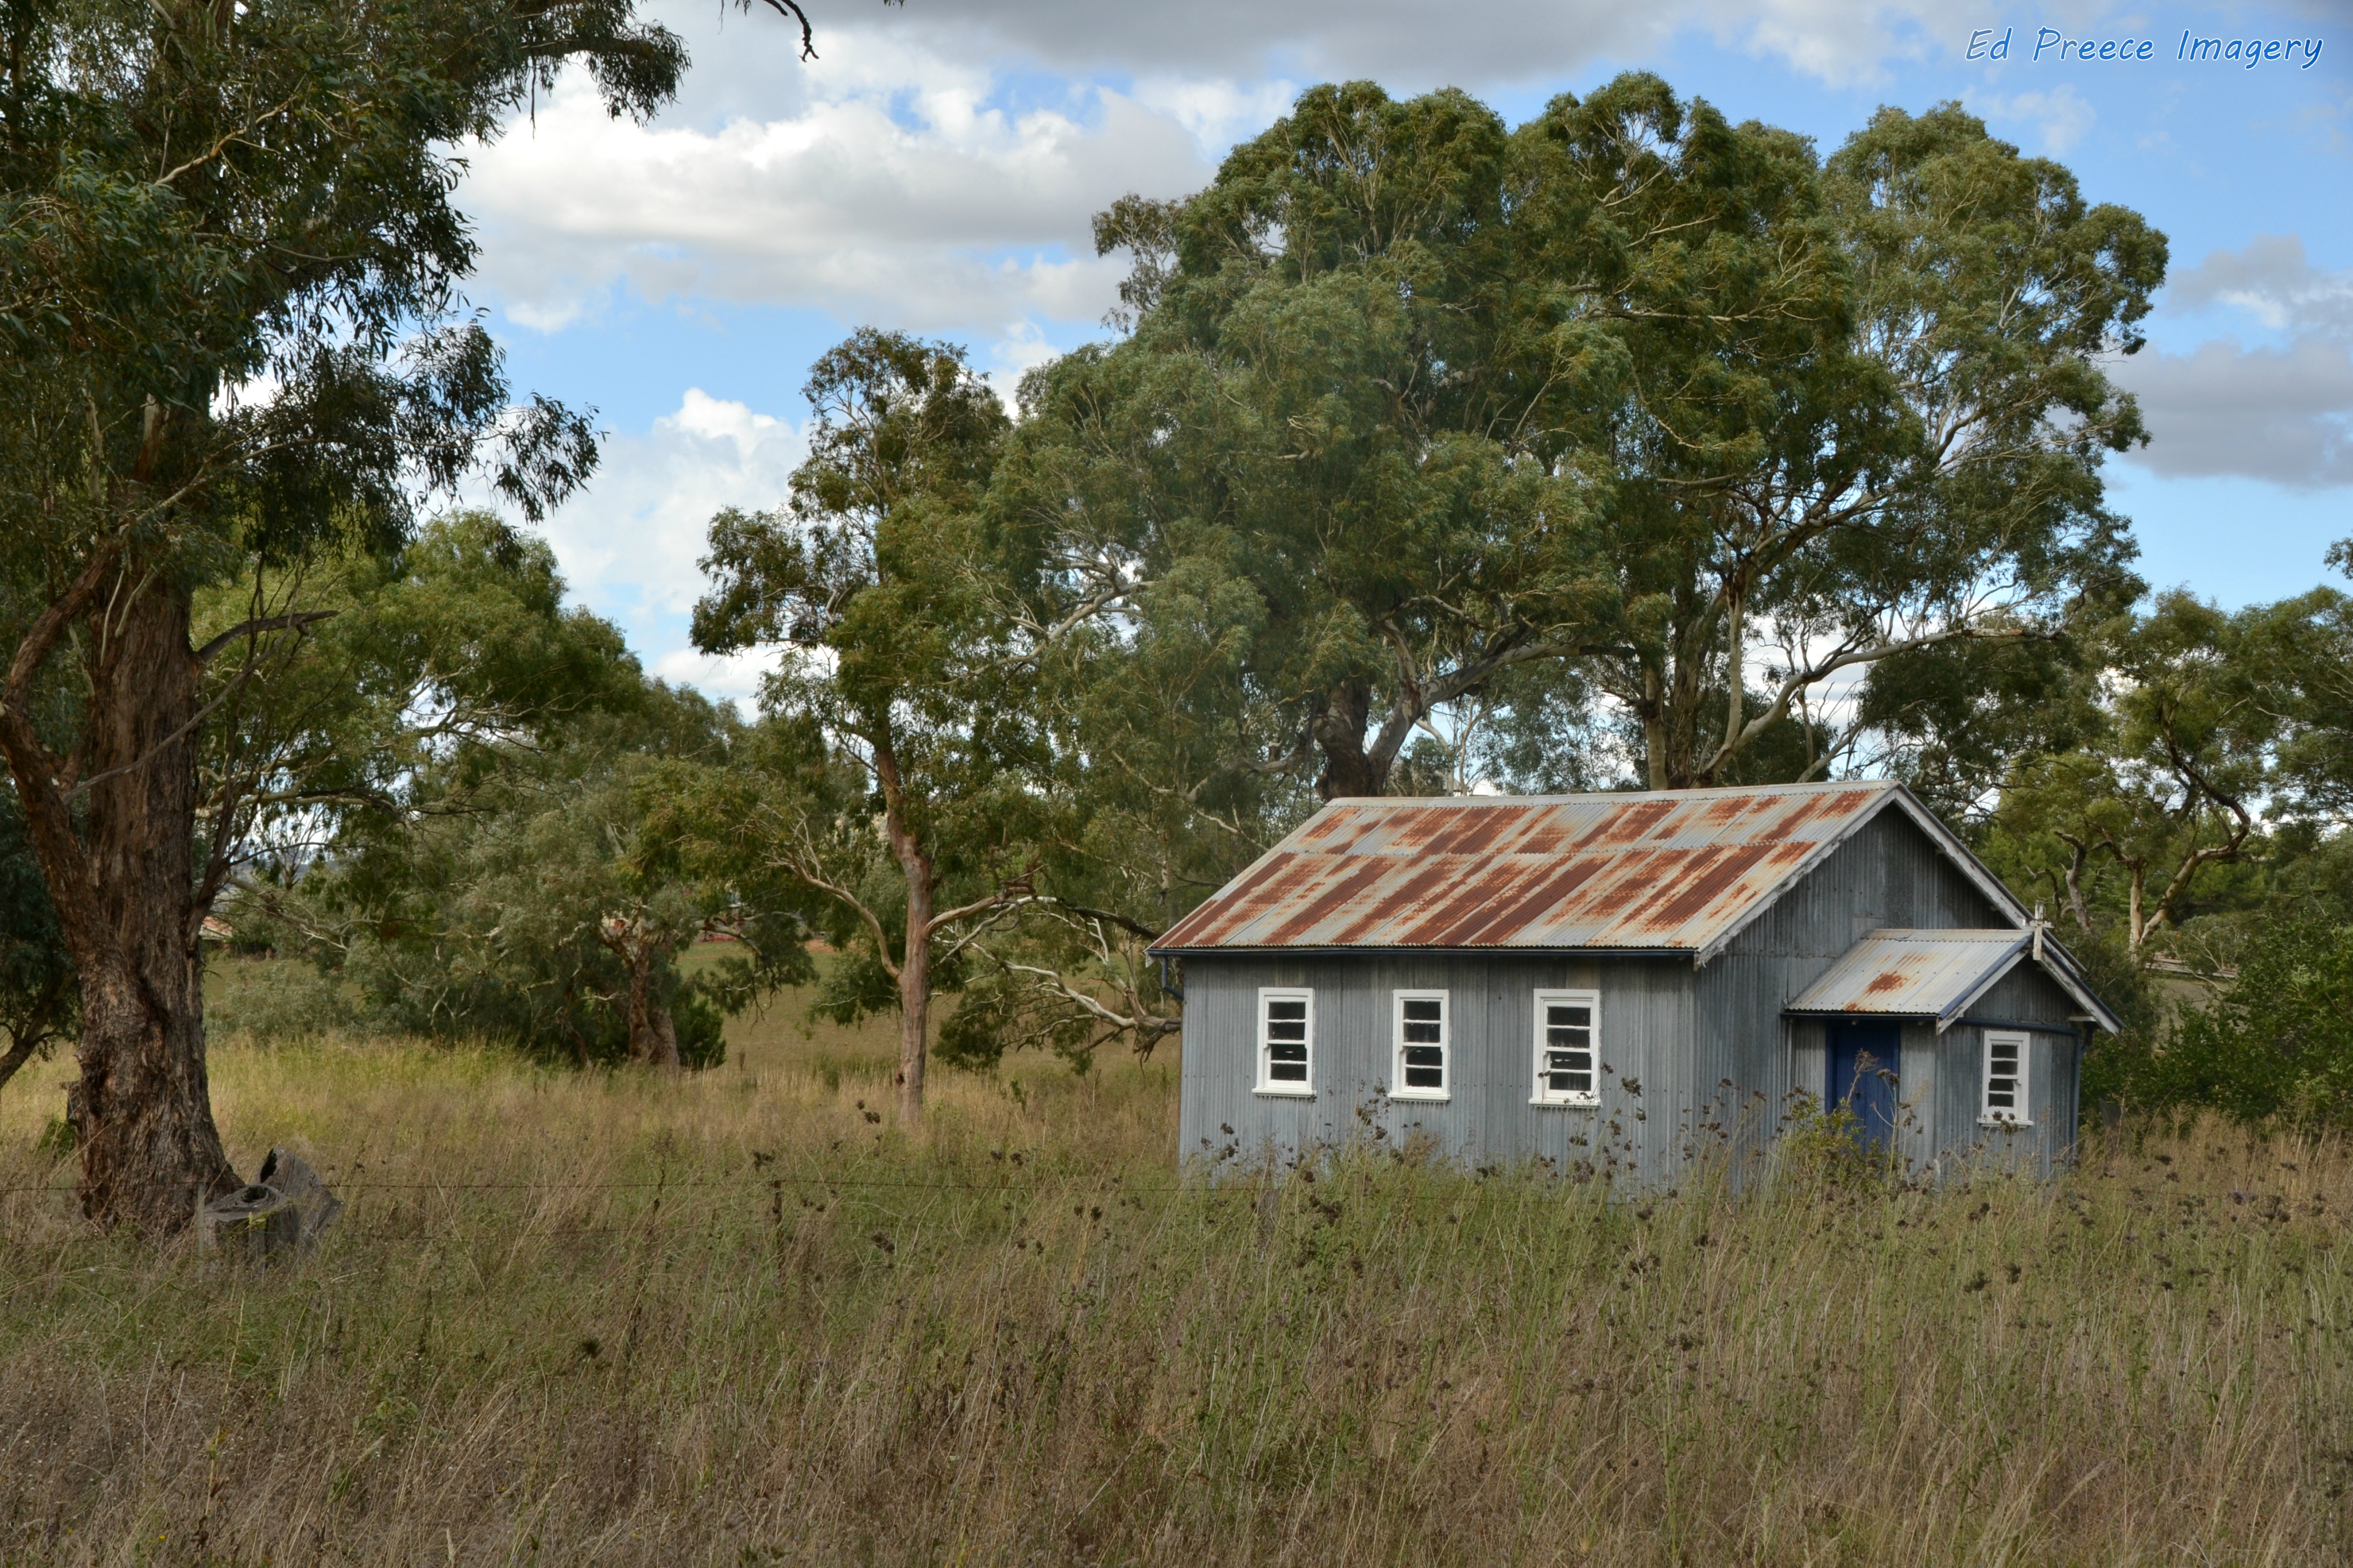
x: 653, y: 1033
x: 1339, y: 732
x: 1734, y: 674
x: 153, y: 1155
x: 124, y: 882
x: 915, y: 994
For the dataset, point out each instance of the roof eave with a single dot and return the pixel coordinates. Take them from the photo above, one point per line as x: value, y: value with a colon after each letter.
x: 2061, y: 967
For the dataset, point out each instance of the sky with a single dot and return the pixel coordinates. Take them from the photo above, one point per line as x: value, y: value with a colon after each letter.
x: 935, y: 169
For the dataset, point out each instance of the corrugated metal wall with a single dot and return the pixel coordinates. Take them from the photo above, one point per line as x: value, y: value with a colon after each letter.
x: 2055, y: 1064
x: 1888, y: 874
x: 1645, y: 1018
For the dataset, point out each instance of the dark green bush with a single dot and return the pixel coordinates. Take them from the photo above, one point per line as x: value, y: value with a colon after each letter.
x: 2278, y: 1042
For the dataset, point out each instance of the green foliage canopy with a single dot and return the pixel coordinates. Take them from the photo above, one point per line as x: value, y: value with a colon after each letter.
x: 1413, y: 403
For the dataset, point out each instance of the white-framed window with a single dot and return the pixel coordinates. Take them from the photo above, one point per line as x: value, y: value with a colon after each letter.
x: 1286, y: 1040
x: 2005, y: 1077
x: 1423, y: 1052
x: 1569, y: 1040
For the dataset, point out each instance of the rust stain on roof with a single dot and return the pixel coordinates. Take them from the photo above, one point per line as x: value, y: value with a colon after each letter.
x: 1663, y: 871
x: 1894, y: 979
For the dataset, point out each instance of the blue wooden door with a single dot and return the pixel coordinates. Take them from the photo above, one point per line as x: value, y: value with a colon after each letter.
x: 1865, y: 1062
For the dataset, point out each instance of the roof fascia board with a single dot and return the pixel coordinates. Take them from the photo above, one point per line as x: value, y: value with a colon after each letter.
x: 2072, y: 983
x: 2068, y: 970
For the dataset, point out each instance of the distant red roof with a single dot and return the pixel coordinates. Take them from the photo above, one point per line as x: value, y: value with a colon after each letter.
x: 1672, y: 872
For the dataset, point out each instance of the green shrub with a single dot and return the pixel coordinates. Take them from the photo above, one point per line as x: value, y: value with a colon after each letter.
x: 2277, y: 1042
x: 272, y: 1000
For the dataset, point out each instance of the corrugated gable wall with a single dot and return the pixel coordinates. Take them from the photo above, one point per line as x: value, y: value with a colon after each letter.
x: 1888, y: 874
x: 2054, y: 1068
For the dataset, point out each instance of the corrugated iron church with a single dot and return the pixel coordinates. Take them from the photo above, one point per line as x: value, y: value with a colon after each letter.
x: 1614, y: 982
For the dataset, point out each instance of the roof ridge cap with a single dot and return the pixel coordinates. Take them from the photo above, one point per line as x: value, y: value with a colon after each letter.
x: 1820, y: 787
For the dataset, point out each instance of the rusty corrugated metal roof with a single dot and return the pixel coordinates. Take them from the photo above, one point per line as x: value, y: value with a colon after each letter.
x: 1914, y: 974
x: 1669, y: 871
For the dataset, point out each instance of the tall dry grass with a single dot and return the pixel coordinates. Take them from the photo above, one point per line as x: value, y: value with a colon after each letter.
x: 737, y: 1320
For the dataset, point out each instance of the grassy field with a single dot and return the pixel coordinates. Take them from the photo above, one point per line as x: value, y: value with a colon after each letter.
x: 745, y: 1320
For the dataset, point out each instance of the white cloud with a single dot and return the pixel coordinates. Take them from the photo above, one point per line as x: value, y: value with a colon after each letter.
x: 1413, y: 44
x: 2281, y: 411
x: 2061, y: 114
x: 2272, y: 281
x: 919, y: 173
x: 720, y: 676
x: 900, y: 193
x: 1217, y: 112
x: 629, y: 544
x: 2283, y: 415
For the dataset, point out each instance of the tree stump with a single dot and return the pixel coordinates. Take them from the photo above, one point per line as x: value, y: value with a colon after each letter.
x: 277, y: 1217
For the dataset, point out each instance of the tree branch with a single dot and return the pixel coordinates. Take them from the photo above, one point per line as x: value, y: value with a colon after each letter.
x: 265, y: 624
x: 1849, y: 654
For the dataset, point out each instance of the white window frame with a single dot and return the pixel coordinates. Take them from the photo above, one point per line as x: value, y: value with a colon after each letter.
x: 1267, y: 1083
x: 2013, y: 1114
x: 1445, y: 1090
x: 1544, y: 1094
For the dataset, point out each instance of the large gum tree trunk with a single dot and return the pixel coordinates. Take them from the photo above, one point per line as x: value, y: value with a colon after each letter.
x: 123, y: 882
x: 653, y: 1033
x: 1339, y: 735
x: 915, y: 996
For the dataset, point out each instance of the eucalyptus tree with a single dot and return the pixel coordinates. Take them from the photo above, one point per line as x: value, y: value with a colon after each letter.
x: 881, y: 779
x: 2166, y: 789
x: 1331, y: 425
x: 2300, y: 651
x: 548, y: 916
x: 1631, y: 389
x: 448, y: 811
x: 1926, y: 474
x: 228, y: 274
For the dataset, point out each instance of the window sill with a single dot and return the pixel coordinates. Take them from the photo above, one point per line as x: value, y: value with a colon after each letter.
x: 1543, y: 1104
x: 1422, y: 1096
x: 1267, y: 1092
x: 2003, y: 1121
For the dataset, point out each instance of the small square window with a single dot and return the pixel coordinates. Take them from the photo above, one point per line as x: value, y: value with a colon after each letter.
x: 1567, y: 1041
x: 1420, y: 1070
x: 2006, y: 1059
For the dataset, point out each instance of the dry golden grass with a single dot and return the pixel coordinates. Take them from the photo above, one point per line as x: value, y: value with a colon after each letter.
x: 606, y: 1319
